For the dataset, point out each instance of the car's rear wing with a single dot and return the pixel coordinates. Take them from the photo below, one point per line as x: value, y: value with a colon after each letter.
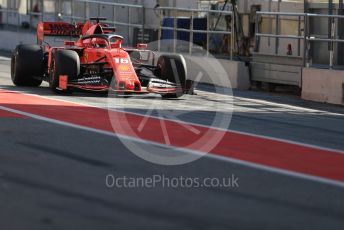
x: 58, y: 29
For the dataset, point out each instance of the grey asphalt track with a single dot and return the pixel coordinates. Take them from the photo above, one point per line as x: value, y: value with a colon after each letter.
x: 53, y: 176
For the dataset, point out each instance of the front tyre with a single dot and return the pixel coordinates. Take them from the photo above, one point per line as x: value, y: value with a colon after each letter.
x: 65, y: 62
x: 173, y: 68
x: 27, y: 66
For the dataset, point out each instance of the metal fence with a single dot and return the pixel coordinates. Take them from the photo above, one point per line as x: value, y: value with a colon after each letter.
x: 128, y: 25
x: 82, y: 9
x: 5, y: 15
x: 304, y: 34
x: 191, y: 13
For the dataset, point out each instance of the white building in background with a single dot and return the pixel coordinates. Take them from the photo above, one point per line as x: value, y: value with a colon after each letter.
x: 51, y: 8
x: 151, y: 18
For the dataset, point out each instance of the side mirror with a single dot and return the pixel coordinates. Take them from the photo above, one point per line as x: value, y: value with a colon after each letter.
x: 141, y: 46
x: 116, y: 45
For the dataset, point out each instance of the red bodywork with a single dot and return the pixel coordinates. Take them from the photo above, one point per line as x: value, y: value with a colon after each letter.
x: 97, y: 50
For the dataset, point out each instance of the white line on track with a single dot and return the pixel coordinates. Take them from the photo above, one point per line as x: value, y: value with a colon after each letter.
x: 5, y: 59
x: 189, y: 151
x: 285, y: 106
x: 260, y: 101
x: 195, y: 124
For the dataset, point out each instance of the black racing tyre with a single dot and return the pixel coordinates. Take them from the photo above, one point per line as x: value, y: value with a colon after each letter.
x: 65, y: 62
x: 27, y: 66
x: 173, y: 68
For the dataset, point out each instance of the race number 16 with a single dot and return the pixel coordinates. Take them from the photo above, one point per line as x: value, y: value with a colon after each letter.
x: 121, y: 60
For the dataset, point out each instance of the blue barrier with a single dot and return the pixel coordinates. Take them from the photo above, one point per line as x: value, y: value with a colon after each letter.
x: 184, y: 23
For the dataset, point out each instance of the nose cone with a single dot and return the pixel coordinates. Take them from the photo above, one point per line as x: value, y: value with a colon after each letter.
x: 133, y: 85
x: 129, y: 85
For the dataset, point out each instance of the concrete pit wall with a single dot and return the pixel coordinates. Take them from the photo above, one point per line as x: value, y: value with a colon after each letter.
x: 323, y: 85
x: 10, y: 39
x: 219, y: 72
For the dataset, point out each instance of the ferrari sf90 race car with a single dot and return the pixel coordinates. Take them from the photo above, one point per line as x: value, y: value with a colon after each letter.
x: 96, y: 61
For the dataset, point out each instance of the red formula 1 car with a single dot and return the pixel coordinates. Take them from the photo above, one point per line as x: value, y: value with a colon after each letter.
x: 96, y: 61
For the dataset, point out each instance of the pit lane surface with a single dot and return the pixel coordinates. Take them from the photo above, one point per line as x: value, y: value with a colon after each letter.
x: 54, y: 176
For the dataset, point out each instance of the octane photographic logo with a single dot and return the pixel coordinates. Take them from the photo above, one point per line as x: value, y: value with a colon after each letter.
x: 175, y: 131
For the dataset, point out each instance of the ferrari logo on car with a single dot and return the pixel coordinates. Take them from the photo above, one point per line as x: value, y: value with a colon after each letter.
x: 124, y: 68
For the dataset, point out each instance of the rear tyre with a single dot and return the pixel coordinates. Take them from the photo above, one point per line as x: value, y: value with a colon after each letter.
x: 65, y: 62
x: 173, y: 69
x: 27, y: 65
